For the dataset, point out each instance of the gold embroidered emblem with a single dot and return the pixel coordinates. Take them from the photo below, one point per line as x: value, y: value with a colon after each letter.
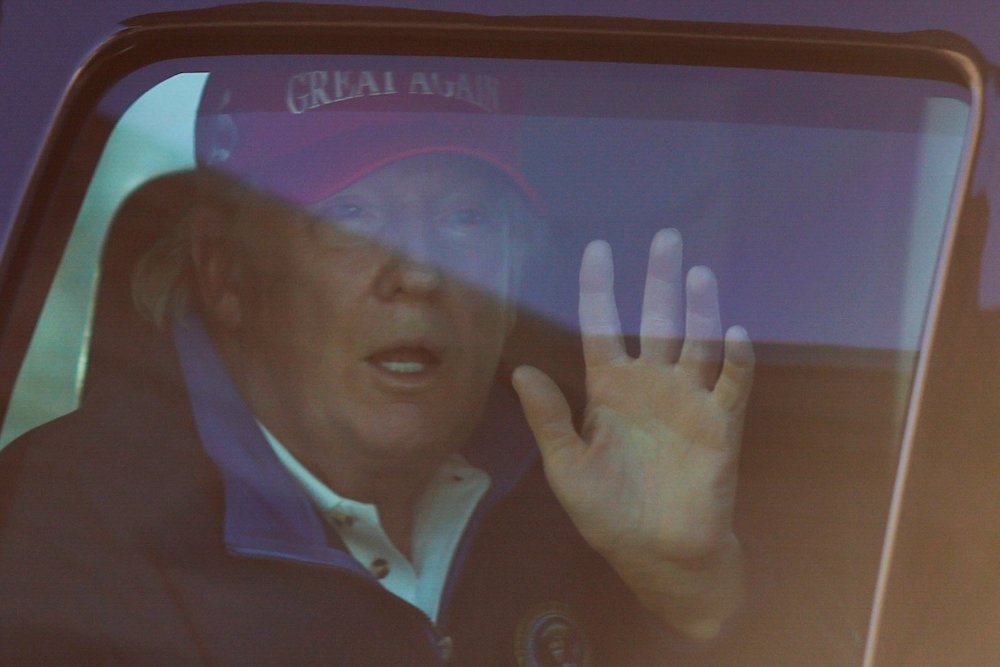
x: 549, y: 635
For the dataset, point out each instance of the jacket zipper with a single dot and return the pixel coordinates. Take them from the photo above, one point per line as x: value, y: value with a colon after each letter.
x: 436, y: 633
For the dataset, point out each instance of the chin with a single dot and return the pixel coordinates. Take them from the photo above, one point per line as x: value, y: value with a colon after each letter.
x: 405, y: 435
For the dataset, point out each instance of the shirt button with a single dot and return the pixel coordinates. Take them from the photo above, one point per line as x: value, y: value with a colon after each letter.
x: 342, y: 520
x: 379, y: 568
x: 445, y: 647
x: 456, y: 478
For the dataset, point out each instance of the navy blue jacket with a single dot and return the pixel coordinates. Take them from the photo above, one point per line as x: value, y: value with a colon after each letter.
x: 141, y: 530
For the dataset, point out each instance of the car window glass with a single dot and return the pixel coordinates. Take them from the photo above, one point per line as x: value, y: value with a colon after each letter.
x: 821, y: 200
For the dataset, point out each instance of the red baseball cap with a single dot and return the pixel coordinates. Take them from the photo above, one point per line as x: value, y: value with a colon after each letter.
x: 305, y: 128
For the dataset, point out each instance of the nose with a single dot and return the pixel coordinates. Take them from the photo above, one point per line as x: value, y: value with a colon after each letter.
x: 412, y: 267
x: 412, y: 239
x: 417, y: 276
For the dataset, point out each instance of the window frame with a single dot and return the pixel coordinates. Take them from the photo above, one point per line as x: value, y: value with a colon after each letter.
x: 37, y: 233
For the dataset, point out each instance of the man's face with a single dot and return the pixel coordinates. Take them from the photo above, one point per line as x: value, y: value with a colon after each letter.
x: 372, y: 329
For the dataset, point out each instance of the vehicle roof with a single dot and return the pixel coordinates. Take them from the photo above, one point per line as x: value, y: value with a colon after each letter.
x: 40, y: 54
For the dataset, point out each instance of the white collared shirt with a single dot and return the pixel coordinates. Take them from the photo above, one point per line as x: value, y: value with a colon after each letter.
x: 441, y: 516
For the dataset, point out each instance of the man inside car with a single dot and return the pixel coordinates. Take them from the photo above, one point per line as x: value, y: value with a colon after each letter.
x: 339, y: 298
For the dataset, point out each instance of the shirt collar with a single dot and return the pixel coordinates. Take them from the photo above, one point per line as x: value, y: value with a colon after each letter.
x: 326, y: 499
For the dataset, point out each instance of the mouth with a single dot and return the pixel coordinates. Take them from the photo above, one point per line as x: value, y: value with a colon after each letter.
x: 405, y: 362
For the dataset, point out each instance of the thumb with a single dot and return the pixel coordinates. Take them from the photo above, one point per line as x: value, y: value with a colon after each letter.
x: 548, y: 414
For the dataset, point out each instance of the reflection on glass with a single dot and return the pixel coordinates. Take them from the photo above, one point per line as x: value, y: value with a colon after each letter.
x: 357, y: 252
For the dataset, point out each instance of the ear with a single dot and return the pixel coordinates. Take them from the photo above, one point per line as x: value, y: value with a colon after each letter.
x: 218, y: 273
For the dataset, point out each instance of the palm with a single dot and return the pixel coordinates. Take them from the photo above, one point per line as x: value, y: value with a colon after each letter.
x: 654, y: 469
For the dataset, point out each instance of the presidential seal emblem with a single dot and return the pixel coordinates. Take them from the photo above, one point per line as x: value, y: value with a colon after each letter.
x: 550, y: 636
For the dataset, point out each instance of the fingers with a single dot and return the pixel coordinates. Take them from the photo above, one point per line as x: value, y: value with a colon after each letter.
x: 661, y: 328
x: 733, y: 387
x: 700, y: 354
x: 693, y: 340
x: 599, y: 324
x: 547, y: 412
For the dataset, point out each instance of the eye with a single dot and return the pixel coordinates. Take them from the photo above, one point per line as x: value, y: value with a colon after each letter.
x: 473, y: 224
x: 350, y: 214
x: 466, y: 217
x: 463, y: 225
x: 339, y: 208
x: 338, y: 211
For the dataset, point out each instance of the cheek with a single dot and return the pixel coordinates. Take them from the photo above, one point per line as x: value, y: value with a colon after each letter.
x: 303, y: 313
x: 488, y: 271
x: 484, y: 325
x: 490, y: 276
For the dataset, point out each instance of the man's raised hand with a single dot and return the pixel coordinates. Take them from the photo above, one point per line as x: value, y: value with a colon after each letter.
x: 650, y: 479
